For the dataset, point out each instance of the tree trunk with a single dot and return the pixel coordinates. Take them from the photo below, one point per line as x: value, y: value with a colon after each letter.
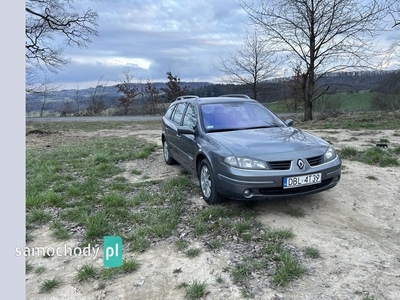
x: 307, y: 87
x: 42, y: 107
x: 308, y: 115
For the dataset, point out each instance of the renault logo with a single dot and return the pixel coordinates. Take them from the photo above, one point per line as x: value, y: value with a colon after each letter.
x: 300, y: 164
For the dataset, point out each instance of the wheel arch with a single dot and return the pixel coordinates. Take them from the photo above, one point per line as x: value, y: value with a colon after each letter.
x: 199, y: 159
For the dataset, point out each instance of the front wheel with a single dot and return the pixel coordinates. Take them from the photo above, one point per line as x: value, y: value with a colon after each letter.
x: 207, y: 183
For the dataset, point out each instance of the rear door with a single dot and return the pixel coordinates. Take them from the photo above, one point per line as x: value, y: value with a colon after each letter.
x: 187, y: 142
x: 171, y: 131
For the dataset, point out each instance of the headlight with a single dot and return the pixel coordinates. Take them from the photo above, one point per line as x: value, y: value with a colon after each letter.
x: 330, y: 154
x: 245, y: 163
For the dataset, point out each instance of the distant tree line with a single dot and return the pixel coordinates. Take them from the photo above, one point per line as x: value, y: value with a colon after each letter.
x: 129, y: 98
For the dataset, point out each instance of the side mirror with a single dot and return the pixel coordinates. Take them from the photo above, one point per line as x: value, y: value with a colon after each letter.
x: 185, y: 130
x: 289, y: 122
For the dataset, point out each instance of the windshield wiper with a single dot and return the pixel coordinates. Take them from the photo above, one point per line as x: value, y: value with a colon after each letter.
x: 261, y: 126
x: 223, y: 129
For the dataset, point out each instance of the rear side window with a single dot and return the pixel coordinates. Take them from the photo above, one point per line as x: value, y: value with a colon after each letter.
x: 177, y: 116
x: 169, y: 111
x: 190, y: 117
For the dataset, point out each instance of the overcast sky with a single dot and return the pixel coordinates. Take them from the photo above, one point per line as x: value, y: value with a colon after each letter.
x: 152, y: 37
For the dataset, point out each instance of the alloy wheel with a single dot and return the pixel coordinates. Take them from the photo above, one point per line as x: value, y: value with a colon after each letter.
x: 205, y: 180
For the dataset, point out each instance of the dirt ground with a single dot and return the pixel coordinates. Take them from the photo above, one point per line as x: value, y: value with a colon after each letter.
x: 354, y: 225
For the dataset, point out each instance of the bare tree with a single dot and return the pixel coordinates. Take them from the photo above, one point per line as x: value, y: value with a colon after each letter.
x: 130, y: 92
x: 44, y: 90
x: 67, y: 107
x: 173, y: 89
x: 251, y: 65
x: 395, y: 13
x: 151, y: 98
x: 395, y: 47
x: 96, y: 104
x: 77, y: 100
x: 293, y: 101
x: 48, y: 19
x: 325, y: 35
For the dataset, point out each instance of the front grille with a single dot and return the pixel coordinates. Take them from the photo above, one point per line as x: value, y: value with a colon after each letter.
x: 315, y: 161
x: 279, y: 165
x: 293, y: 191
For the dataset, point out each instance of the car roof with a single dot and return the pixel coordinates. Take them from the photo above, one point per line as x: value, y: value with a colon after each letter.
x: 212, y: 100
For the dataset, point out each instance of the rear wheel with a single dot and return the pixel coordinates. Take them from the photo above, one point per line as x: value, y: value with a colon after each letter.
x: 167, y: 156
x: 207, y: 183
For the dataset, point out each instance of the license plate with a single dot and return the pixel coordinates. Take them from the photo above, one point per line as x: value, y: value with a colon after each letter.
x: 296, y: 181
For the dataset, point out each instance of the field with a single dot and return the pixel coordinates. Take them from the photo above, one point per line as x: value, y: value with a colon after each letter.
x: 349, y: 102
x: 86, y: 180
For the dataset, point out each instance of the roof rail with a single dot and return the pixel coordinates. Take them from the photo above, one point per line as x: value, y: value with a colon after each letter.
x: 187, y: 97
x: 236, y: 96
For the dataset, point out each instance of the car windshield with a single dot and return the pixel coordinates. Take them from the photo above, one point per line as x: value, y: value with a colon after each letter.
x: 237, y: 116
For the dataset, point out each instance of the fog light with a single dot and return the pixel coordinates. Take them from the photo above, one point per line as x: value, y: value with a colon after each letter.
x: 248, y: 193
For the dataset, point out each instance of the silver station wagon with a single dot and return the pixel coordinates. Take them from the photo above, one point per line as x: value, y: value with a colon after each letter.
x: 241, y: 150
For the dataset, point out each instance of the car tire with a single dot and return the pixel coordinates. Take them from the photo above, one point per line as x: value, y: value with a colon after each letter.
x: 167, y: 155
x: 207, y: 183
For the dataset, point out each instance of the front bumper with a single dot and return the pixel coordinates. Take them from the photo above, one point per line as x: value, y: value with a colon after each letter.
x: 242, y: 184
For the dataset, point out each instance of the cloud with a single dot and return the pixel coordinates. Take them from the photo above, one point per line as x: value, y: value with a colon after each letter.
x: 153, y: 37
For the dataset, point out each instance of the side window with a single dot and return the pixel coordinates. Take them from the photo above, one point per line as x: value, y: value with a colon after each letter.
x: 177, y: 116
x: 190, y: 117
x: 169, y: 112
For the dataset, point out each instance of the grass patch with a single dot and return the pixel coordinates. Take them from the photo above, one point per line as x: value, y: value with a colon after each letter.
x: 330, y: 139
x: 396, y: 150
x: 297, y: 212
x: 276, y: 236
x: 219, y: 279
x: 136, y: 172
x: 87, y: 272
x: 93, y: 126
x: 97, y: 226
x: 195, y: 290
x: 139, y: 242
x: 372, y: 156
x: 371, y: 177
x: 49, y: 285
x: 288, y: 269
x: 129, y: 265
x: 193, y: 252
x: 40, y: 270
x: 38, y: 216
x: 246, y: 294
x: 108, y: 273
x: 383, y: 140
x: 235, y: 220
x: 181, y: 244
x: 312, y: 252
x: 113, y: 200
x: 179, y: 183
x: 28, y: 267
x: 214, y: 244
x: 59, y: 231
x: 240, y: 272
x: 356, y: 121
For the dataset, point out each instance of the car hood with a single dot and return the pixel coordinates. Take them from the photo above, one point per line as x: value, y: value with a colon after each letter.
x: 264, y: 142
